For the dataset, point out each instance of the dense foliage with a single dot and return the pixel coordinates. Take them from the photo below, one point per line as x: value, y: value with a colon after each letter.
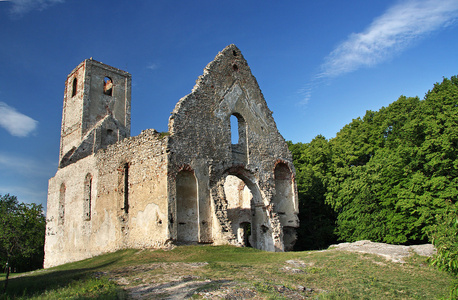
x: 386, y: 175
x: 22, y: 234
x: 444, y: 236
x: 317, y: 219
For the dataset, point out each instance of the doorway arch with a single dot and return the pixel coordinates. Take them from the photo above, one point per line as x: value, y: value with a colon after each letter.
x: 187, y: 207
x: 247, y: 211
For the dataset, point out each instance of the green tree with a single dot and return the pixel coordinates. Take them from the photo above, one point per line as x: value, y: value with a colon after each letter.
x: 393, y: 170
x: 317, y: 219
x: 22, y: 234
x: 444, y: 236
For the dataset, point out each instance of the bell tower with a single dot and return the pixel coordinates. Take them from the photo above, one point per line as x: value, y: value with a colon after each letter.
x: 96, y: 110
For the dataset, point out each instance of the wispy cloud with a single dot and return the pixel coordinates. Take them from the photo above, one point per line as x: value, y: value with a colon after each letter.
x: 21, y: 7
x: 14, y: 122
x: 25, y: 166
x: 389, y: 34
x: 152, y: 66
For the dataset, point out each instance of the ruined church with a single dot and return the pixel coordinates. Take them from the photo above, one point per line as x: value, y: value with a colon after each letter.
x: 199, y: 183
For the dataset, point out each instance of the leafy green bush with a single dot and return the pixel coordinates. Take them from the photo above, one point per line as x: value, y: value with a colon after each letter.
x: 444, y: 236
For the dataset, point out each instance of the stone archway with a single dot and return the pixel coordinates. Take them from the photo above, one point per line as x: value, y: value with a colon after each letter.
x: 247, y: 211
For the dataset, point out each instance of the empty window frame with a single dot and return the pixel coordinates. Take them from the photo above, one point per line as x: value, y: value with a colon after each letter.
x: 74, y: 86
x: 87, y: 197
x: 108, y: 86
x: 61, y: 206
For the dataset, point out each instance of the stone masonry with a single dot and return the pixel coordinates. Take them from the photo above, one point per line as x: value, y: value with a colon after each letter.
x: 190, y: 185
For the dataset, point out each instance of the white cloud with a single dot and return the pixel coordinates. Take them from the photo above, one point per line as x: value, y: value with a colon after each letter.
x: 153, y: 66
x: 16, y: 123
x: 21, y: 7
x: 392, y: 32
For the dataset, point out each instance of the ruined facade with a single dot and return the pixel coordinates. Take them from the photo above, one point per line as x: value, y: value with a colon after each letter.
x: 200, y: 182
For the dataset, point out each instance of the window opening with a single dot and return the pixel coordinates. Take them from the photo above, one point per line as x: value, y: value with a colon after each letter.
x: 107, y: 86
x: 238, y: 129
x: 126, y: 188
x: 74, y: 86
x: 61, y: 213
x: 234, y: 130
x: 87, y: 197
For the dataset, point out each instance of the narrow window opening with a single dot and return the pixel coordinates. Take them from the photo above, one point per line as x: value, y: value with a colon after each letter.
x: 107, y: 86
x: 87, y: 197
x: 61, y: 212
x: 74, y: 86
x: 235, y: 68
x: 234, y: 52
x: 126, y: 188
x: 234, y: 130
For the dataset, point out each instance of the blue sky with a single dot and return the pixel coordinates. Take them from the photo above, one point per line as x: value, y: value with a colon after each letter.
x: 320, y: 64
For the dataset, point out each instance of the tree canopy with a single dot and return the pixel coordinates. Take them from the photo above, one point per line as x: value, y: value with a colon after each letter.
x: 388, y: 174
x: 22, y: 234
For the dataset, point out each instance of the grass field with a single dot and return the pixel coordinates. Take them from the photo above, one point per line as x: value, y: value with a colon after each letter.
x: 203, y: 271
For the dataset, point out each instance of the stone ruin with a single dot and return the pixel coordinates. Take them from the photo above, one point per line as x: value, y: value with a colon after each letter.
x: 190, y: 185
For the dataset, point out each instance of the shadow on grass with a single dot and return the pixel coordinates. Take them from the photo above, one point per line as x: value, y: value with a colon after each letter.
x: 37, y: 282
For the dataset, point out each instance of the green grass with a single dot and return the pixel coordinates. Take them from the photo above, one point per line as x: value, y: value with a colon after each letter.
x: 323, y: 275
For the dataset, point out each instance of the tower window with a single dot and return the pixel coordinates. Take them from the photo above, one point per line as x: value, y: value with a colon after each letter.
x: 74, y: 86
x: 108, y: 86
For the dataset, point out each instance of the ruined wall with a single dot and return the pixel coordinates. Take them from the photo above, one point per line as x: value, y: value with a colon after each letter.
x: 127, y: 206
x: 201, y: 139
x: 190, y: 185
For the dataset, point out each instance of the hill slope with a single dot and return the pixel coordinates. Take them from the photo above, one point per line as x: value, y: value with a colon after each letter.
x: 234, y: 273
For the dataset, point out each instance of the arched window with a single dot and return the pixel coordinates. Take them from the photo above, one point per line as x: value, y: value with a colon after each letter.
x: 61, y: 207
x: 107, y: 86
x: 234, y: 130
x: 87, y: 197
x: 238, y: 129
x: 74, y: 86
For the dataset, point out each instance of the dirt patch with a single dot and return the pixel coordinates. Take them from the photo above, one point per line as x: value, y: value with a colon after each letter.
x: 395, y: 253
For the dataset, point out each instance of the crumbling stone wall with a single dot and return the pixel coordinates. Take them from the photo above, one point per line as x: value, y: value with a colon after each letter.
x: 111, y: 224
x: 190, y: 185
x: 201, y: 139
